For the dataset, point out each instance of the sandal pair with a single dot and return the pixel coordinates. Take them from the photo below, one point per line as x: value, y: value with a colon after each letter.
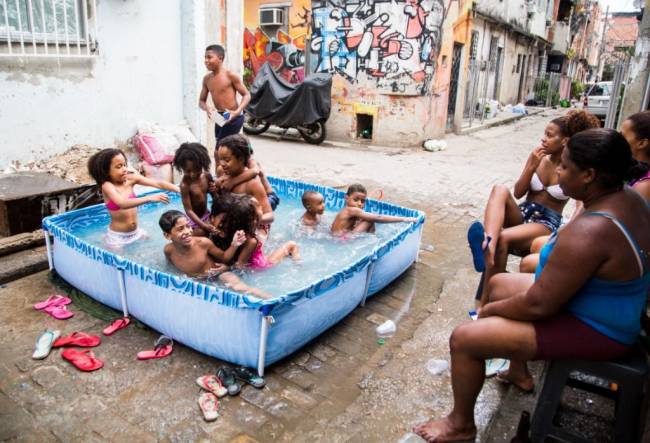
x: 229, y: 377
x: 208, y: 401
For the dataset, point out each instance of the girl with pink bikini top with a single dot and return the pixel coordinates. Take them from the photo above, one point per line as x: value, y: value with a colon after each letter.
x: 109, y: 169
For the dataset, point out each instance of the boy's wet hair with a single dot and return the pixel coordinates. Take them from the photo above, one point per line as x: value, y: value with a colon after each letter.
x: 169, y: 219
x: 238, y: 145
x: 99, y: 165
x: 217, y: 49
x: 356, y: 187
x: 307, y: 196
x: 194, y: 152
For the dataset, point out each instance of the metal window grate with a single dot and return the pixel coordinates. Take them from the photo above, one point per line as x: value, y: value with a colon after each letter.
x: 48, y: 28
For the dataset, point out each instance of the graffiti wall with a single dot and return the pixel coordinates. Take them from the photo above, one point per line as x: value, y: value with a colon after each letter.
x: 392, y: 43
x: 283, y: 49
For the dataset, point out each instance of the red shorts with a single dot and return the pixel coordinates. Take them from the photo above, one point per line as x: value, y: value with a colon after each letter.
x: 564, y: 337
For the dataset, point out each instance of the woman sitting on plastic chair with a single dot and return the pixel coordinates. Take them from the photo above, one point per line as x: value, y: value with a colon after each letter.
x: 586, y: 298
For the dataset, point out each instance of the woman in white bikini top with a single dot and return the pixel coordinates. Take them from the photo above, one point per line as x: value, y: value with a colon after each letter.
x: 554, y: 191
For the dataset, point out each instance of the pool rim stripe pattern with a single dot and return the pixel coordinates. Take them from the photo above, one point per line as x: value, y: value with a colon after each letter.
x: 334, y: 199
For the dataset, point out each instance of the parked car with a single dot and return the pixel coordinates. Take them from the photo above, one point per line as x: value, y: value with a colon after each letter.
x: 597, y: 98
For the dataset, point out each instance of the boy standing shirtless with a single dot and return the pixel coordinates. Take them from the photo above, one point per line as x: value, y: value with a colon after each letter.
x: 223, y: 85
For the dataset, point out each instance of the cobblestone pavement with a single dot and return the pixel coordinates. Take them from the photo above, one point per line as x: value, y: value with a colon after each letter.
x: 344, y: 386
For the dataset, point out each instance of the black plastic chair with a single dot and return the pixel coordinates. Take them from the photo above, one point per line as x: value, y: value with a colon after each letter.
x: 629, y: 373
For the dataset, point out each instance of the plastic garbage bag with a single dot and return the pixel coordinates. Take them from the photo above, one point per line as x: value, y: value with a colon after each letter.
x: 435, y: 145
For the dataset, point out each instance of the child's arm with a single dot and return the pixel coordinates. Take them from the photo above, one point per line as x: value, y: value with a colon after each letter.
x: 187, y: 205
x: 257, y: 190
x: 160, y: 184
x: 203, y: 104
x: 228, y: 183
x: 247, y: 250
x: 109, y: 191
x: 226, y: 256
x: 379, y: 218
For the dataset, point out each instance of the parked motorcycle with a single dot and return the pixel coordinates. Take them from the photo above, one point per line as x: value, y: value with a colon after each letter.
x: 304, y: 106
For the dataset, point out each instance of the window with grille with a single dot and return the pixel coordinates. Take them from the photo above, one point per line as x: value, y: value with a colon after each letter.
x: 473, y: 48
x: 47, y: 27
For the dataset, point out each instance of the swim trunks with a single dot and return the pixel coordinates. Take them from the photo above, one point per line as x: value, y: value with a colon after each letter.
x: 274, y: 200
x: 116, y: 240
x: 205, y: 219
x: 231, y: 128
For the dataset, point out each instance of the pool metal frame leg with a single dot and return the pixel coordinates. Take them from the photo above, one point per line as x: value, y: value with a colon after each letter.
x: 48, y: 245
x: 267, y: 320
x: 120, y: 282
x: 371, y: 267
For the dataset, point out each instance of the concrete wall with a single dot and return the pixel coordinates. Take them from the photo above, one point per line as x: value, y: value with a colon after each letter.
x: 49, y: 106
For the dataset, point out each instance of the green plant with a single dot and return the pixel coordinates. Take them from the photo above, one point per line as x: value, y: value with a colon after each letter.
x: 577, y: 88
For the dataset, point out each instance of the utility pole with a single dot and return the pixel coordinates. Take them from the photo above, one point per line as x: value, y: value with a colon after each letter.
x: 602, y: 47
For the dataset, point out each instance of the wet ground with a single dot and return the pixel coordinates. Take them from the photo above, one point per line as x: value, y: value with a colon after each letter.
x: 344, y: 386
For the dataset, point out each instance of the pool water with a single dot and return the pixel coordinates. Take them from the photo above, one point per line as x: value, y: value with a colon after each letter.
x: 321, y: 254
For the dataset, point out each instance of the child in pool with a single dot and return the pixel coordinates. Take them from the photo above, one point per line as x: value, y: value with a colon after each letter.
x: 314, y: 204
x: 353, y: 218
x: 193, y: 160
x: 109, y: 169
x: 234, y: 155
x: 254, y: 169
x: 244, y: 214
x: 198, y: 257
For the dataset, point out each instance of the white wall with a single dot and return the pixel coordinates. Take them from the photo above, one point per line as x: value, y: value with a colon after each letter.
x: 47, y: 106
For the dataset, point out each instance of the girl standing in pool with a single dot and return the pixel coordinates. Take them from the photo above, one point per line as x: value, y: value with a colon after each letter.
x: 109, y: 169
x: 233, y: 154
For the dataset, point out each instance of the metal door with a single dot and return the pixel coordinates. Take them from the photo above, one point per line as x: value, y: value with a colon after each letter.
x: 453, y: 83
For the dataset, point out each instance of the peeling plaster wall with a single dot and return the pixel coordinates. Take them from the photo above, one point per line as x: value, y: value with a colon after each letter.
x: 49, y: 106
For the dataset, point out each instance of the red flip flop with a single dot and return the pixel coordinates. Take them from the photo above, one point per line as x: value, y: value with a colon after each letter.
x: 80, y: 339
x: 116, y: 325
x: 83, y: 360
x: 52, y: 300
x: 162, y: 348
x: 59, y: 312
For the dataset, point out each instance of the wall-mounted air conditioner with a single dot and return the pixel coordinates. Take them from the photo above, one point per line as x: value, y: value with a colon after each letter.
x: 271, y: 17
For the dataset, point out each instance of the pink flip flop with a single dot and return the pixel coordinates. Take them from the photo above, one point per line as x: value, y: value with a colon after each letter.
x: 52, y: 300
x: 162, y: 348
x: 59, y: 312
x: 116, y: 325
x: 209, y: 406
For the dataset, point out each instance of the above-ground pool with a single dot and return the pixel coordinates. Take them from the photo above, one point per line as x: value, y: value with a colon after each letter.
x: 308, y: 297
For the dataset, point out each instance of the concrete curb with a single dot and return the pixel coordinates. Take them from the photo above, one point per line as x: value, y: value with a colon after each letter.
x: 504, y: 121
x: 23, y: 263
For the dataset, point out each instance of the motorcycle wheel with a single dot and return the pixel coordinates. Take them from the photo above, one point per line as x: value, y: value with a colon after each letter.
x: 254, y: 126
x: 314, y: 133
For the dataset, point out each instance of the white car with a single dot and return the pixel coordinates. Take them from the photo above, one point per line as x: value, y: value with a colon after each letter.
x: 597, y: 98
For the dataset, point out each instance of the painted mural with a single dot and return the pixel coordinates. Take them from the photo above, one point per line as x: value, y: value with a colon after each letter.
x: 283, y: 48
x: 394, y: 43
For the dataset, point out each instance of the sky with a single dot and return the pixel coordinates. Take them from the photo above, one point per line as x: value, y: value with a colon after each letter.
x: 619, y: 5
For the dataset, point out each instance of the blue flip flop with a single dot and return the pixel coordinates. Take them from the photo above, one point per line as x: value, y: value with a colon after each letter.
x: 475, y: 238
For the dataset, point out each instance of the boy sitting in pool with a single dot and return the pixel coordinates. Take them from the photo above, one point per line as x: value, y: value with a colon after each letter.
x: 353, y: 218
x: 314, y: 204
x: 198, y: 257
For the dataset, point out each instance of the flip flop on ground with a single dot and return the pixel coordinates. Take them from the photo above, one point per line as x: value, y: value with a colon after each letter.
x: 80, y: 339
x: 209, y: 406
x: 84, y: 360
x: 162, y: 348
x: 52, y: 300
x: 116, y: 325
x: 59, y: 312
x: 44, y: 344
x: 245, y: 374
x: 227, y: 377
x: 212, y: 384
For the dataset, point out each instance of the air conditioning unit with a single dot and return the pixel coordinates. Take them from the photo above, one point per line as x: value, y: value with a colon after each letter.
x: 271, y: 17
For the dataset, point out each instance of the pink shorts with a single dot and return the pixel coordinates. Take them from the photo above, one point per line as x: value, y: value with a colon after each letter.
x: 205, y: 218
